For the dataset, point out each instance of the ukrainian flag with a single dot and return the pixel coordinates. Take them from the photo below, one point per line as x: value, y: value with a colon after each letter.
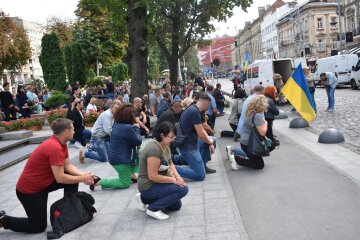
x: 247, y: 61
x: 298, y: 94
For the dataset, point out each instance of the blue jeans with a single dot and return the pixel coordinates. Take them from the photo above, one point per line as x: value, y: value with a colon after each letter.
x: 100, y: 148
x: 164, y: 196
x: 238, y: 151
x: 331, y: 98
x: 196, y: 159
x: 110, y: 96
x: 221, y: 108
x: 86, y: 135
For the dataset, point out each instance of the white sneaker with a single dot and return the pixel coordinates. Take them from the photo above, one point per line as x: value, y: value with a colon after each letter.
x: 141, y: 206
x: 159, y: 215
x: 78, y: 145
x: 233, y: 163
x: 228, y: 151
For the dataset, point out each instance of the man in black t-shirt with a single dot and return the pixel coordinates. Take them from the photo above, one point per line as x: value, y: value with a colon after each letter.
x: 110, y: 88
x: 198, y: 145
x: 7, y: 103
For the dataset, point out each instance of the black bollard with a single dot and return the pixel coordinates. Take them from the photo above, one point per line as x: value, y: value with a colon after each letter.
x: 298, y: 123
x: 330, y: 136
x: 282, y: 115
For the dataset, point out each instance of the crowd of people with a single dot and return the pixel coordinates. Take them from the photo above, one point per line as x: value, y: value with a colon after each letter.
x: 181, y: 146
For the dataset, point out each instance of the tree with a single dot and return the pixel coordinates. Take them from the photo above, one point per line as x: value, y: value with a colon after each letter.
x: 78, y: 65
x: 179, y: 25
x: 14, y: 45
x: 191, y: 60
x: 63, y: 29
x: 68, y: 63
x: 102, y: 38
x: 52, y: 63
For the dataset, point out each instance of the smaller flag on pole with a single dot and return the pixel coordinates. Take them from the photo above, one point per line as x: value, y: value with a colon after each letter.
x: 247, y: 61
x: 298, y: 94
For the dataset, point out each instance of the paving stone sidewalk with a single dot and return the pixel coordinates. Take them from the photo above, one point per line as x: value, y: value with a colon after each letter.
x: 209, y: 210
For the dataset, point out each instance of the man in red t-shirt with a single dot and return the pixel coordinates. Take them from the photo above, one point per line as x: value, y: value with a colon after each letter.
x: 48, y: 169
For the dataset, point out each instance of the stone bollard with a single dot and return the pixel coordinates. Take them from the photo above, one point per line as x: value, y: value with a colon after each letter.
x: 298, y: 123
x: 330, y: 136
x: 282, y: 115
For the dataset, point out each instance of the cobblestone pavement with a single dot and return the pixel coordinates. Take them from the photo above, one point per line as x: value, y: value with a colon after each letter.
x: 345, y: 118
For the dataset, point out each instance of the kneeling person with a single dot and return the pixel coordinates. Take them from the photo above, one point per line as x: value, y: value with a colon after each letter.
x: 48, y: 169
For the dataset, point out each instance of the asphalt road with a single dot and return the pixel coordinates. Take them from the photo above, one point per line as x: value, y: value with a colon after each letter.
x: 297, y: 196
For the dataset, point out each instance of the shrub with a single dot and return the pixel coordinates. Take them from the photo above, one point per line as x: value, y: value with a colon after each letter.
x: 56, y: 100
x: 55, y: 114
x: 94, y: 82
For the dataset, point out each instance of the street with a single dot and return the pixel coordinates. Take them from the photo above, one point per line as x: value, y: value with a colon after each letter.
x: 345, y: 117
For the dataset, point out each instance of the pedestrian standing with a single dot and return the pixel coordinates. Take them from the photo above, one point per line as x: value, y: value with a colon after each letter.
x: 330, y: 81
x: 7, y: 103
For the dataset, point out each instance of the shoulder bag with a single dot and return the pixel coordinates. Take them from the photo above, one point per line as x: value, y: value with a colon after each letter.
x: 257, y: 145
x: 180, y: 135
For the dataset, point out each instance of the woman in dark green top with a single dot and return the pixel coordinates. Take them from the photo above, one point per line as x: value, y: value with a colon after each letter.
x: 160, y: 185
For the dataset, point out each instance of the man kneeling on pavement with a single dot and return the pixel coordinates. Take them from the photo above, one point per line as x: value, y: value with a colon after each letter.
x: 198, y: 145
x: 48, y: 169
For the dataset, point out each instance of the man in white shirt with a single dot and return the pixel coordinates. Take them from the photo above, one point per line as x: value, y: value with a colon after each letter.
x: 100, y: 135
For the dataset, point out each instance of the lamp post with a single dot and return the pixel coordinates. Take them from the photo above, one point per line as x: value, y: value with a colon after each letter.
x: 98, y: 67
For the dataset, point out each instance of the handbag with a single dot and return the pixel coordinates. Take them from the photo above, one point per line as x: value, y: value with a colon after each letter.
x: 257, y: 145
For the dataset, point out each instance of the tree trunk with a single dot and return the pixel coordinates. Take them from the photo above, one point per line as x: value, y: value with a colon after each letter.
x: 137, y: 29
x: 175, y: 42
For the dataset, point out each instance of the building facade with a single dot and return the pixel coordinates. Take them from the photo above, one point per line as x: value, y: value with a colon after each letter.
x: 35, y: 32
x: 352, y: 23
x: 310, y: 30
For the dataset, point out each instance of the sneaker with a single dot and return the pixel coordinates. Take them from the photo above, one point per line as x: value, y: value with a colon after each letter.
x: 141, y: 206
x: 330, y: 110
x: 209, y: 170
x: 78, y: 145
x: 159, y: 215
x: 228, y: 151
x: 2, y: 215
x: 234, y: 165
x: 82, y: 156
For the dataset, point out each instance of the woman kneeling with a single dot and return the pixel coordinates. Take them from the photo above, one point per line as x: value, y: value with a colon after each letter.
x: 160, y: 185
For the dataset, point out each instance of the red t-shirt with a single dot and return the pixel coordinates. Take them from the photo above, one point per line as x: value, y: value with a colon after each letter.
x: 37, y: 174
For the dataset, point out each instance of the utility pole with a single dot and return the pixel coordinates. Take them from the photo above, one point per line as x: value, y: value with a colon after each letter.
x: 238, y: 45
x: 357, y: 6
x: 340, y: 25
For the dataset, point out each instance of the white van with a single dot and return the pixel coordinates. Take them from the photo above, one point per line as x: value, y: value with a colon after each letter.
x: 262, y: 71
x: 340, y: 64
x: 355, y: 76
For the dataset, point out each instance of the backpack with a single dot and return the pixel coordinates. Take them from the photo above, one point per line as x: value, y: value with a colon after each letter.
x: 162, y: 107
x: 70, y: 212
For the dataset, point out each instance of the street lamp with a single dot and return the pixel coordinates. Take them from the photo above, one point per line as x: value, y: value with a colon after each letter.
x: 98, y: 67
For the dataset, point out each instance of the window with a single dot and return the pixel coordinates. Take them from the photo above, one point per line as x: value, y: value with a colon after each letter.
x: 319, y: 23
x: 351, y: 24
x: 333, y: 22
x: 321, y: 45
x: 335, y: 44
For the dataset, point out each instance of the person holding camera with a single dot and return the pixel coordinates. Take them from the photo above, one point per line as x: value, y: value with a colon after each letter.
x: 160, y: 185
x: 330, y: 81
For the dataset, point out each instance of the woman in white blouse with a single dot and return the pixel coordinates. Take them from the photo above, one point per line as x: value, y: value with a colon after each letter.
x: 91, y: 107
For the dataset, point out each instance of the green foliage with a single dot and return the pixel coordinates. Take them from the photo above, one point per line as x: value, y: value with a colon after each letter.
x: 119, y: 72
x: 179, y: 25
x: 39, y: 84
x: 78, y: 65
x: 95, y: 81
x: 68, y: 62
x: 192, y: 61
x: 91, y: 75
x: 56, y: 100
x: 56, y: 92
x: 14, y: 45
x: 102, y: 37
x: 52, y: 63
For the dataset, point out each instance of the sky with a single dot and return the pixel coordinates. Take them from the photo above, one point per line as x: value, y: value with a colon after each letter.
x: 40, y: 10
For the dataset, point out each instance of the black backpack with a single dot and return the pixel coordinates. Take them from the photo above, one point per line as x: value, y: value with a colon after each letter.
x: 70, y: 212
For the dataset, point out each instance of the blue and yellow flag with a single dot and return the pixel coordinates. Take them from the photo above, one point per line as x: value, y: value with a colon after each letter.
x: 298, y: 94
x: 247, y: 61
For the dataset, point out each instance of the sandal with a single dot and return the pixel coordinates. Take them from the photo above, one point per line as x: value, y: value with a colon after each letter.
x: 96, y: 180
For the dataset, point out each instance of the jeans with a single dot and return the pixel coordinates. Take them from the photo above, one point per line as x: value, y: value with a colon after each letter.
x: 164, y: 196
x: 110, y: 96
x: 221, y: 108
x: 35, y: 206
x: 86, y: 135
x: 331, y: 97
x: 100, y: 148
x: 8, y: 112
x: 196, y: 159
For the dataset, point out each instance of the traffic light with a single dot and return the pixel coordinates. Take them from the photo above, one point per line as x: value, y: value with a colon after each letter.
x: 235, y: 43
x: 349, y: 37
